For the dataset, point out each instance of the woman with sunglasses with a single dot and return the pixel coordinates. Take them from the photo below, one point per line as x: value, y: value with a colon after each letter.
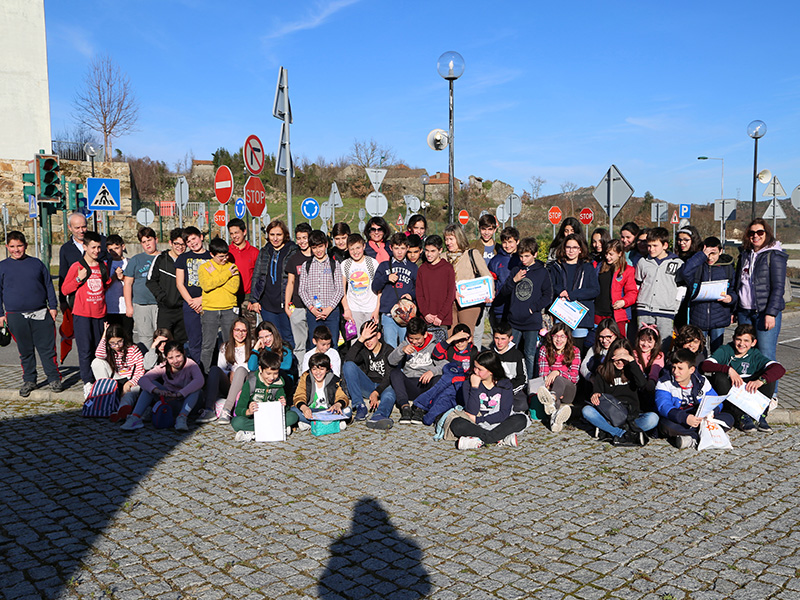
x: 760, y: 283
x: 377, y: 234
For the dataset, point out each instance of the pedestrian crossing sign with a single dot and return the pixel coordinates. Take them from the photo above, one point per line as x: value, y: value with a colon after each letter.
x: 103, y: 194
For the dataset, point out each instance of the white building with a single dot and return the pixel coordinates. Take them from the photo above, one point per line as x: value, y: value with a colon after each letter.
x: 24, y: 88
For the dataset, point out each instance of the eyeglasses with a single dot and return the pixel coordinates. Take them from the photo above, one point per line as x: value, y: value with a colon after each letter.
x: 240, y: 331
x: 559, y: 336
x: 757, y: 232
x: 606, y: 337
x: 178, y: 244
x: 116, y: 344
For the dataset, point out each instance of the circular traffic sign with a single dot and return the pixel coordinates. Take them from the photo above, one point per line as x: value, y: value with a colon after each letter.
x: 514, y: 204
x: 796, y: 197
x: 239, y: 208
x: 554, y: 214
x: 221, y: 218
x: 586, y: 216
x: 145, y: 217
x: 325, y: 211
x: 501, y: 214
x: 255, y: 197
x: 309, y: 208
x: 376, y: 204
x: 463, y: 217
x: 412, y: 202
x: 253, y: 154
x: 223, y: 184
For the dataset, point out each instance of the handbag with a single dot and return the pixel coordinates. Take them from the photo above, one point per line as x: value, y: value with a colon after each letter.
x: 613, y: 410
x: 350, y: 330
x: 102, y: 400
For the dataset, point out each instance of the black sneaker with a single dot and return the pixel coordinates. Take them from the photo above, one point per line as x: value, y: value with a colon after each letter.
x: 763, y: 426
x: 417, y: 415
x: 27, y: 388
x: 361, y: 413
x: 379, y: 423
x: 56, y: 386
x: 629, y: 439
x: 405, y: 415
x: 746, y: 424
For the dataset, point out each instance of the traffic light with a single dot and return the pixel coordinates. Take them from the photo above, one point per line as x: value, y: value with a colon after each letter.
x: 49, y: 175
x: 81, y: 205
x: 29, y: 190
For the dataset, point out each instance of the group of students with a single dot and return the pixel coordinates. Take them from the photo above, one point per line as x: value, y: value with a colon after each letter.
x: 220, y: 330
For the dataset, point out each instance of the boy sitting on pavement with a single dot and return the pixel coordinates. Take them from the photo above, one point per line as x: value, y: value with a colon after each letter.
x: 415, y: 369
x: 323, y: 340
x: 513, y: 362
x: 366, y: 372
x: 318, y: 390
x: 678, y: 396
x: 741, y: 363
x: 264, y: 386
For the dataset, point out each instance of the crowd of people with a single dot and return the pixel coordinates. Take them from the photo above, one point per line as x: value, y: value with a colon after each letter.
x: 364, y: 327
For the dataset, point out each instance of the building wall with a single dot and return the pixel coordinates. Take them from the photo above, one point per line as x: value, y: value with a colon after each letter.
x: 24, y: 88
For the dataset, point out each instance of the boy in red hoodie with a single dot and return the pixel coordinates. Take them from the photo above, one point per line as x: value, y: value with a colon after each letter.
x: 88, y: 279
x: 436, y: 289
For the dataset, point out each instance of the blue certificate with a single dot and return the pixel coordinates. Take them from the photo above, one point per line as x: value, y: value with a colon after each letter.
x: 570, y: 312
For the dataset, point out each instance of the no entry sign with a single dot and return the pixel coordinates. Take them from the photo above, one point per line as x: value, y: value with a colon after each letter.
x: 554, y: 214
x: 586, y: 216
x: 463, y: 217
x: 253, y: 154
x: 223, y: 184
x: 255, y: 196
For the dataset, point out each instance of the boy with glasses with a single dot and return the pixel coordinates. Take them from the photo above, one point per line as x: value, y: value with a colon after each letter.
x: 162, y: 283
x: 187, y: 267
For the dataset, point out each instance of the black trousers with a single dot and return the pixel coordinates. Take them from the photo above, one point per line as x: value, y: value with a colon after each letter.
x: 466, y: 428
x: 407, y: 389
x: 172, y: 319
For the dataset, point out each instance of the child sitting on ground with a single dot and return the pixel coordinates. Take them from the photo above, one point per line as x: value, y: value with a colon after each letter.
x: 266, y: 385
x: 513, y: 363
x: 692, y: 338
x: 457, y: 348
x: 741, y: 363
x: 323, y: 340
x: 559, y: 366
x: 318, y: 390
x: 648, y: 355
x: 678, y: 396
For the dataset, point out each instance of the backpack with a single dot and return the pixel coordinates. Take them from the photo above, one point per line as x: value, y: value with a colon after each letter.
x: 163, y: 417
x: 333, y: 267
x: 103, y: 274
x: 102, y: 400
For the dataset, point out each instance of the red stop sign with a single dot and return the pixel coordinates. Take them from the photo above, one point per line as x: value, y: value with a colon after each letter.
x: 255, y: 197
x: 220, y: 218
x: 463, y: 217
x: 586, y: 216
x: 554, y: 214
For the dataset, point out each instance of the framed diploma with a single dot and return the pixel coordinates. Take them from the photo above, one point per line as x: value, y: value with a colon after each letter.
x: 471, y: 292
x: 570, y: 312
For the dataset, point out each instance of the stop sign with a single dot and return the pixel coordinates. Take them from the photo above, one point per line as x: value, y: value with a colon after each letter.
x: 586, y: 216
x: 220, y: 218
x: 255, y: 197
x: 554, y: 214
x: 463, y: 217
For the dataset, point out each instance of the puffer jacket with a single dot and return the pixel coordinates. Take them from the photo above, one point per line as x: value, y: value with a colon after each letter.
x: 709, y: 314
x: 261, y: 290
x: 767, y: 278
x: 584, y: 288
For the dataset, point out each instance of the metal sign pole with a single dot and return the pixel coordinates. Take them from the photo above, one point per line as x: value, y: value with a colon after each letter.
x: 774, y: 212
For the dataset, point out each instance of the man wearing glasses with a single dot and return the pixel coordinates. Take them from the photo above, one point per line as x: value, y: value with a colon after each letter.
x: 161, y: 283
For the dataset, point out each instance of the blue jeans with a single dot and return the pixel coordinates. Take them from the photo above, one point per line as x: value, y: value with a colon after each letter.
x: 360, y: 386
x: 528, y: 343
x: 146, y: 399
x: 332, y: 323
x: 645, y: 421
x: 767, y: 339
x: 716, y: 337
x: 281, y: 322
x: 393, y: 334
x: 194, y: 333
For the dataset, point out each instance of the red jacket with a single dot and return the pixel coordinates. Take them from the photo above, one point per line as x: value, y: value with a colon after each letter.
x: 245, y: 261
x: 623, y: 287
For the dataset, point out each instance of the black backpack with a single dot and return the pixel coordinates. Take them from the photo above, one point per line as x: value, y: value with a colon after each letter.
x: 82, y: 262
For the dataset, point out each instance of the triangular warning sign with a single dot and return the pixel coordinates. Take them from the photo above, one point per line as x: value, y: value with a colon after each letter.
x: 674, y: 220
x: 103, y: 198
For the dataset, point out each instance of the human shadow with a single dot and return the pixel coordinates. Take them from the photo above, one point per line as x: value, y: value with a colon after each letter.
x: 374, y: 560
x: 63, y: 479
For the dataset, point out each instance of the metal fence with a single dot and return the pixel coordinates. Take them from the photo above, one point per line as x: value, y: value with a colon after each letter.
x: 68, y: 150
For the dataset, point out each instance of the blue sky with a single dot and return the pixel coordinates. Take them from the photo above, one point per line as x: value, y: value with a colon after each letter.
x: 556, y: 90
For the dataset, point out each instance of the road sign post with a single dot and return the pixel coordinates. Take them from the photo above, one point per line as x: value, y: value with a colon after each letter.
x: 774, y: 189
x: 554, y: 215
x: 658, y: 212
x: 674, y: 220
x: 181, y: 197
x: 335, y: 201
x: 586, y: 216
x: 223, y: 184
x: 282, y: 110
x: 513, y: 206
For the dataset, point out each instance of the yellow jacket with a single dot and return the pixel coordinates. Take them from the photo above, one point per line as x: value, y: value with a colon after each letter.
x: 219, y: 285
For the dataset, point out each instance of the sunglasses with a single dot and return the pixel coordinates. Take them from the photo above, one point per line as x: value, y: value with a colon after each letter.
x: 757, y: 232
x: 375, y: 229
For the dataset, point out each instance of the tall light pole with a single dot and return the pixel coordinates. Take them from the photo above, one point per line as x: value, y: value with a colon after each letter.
x: 756, y: 130
x: 424, y: 180
x: 722, y: 228
x: 451, y: 67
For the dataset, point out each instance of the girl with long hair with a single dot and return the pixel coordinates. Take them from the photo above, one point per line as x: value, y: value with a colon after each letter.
x: 559, y: 366
x: 118, y: 358
x: 618, y: 289
x: 269, y: 338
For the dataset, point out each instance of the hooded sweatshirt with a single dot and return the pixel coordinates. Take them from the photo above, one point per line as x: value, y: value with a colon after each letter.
x: 528, y: 297
x: 420, y: 361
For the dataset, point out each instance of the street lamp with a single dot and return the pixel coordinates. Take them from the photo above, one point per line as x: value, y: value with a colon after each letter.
x: 425, y: 180
x: 756, y: 129
x: 721, y: 195
x: 451, y: 66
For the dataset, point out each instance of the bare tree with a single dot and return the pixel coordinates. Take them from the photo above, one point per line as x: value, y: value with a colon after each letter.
x: 568, y: 189
x: 536, y: 184
x: 371, y: 154
x: 106, y: 103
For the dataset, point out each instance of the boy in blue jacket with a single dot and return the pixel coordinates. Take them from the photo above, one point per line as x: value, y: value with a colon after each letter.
x: 500, y: 266
x: 393, y: 280
x: 529, y: 290
x: 711, y: 316
x: 678, y: 396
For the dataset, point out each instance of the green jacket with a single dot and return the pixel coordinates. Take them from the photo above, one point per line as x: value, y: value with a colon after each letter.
x: 255, y: 390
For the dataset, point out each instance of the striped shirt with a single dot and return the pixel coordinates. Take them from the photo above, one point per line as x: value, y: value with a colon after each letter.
x: 129, y: 365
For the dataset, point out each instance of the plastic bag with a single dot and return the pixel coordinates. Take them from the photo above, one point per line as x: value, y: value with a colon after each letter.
x: 712, y: 435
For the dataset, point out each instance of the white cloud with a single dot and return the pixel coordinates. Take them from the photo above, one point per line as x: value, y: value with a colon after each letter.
x: 316, y: 17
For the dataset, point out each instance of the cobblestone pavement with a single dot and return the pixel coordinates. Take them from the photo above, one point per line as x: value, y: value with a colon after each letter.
x: 91, y: 512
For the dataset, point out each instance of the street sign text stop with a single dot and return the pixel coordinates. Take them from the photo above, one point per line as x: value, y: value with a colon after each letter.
x: 554, y: 214
x: 463, y: 217
x: 255, y: 196
x: 586, y: 216
x: 220, y: 218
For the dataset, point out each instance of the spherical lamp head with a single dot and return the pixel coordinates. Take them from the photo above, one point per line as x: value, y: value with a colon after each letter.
x: 757, y: 129
x: 450, y: 65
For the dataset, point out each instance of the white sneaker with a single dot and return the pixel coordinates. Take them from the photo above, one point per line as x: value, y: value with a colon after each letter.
x: 288, y: 431
x: 547, y: 399
x: 87, y: 389
x: 342, y: 425
x: 682, y: 442
x: 245, y: 436
x: 207, y: 416
x: 558, y: 419
x: 181, y: 424
x: 225, y: 418
x: 131, y: 423
x: 509, y: 440
x: 469, y: 443
x: 303, y: 426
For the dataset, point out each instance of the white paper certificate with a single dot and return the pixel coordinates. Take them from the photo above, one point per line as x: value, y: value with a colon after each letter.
x: 753, y: 403
x: 712, y: 290
x: 569, y: 311
x: 270, y: 422
x: 707, y: 405
x: 470, y: 292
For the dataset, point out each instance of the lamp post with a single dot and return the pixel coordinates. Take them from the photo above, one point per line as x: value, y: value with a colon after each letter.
x: 756, y: 130
x: 723, y: 220
x: 451, y: 66
x: 424, y: 180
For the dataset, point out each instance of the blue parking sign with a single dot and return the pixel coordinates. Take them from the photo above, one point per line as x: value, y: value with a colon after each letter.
x: 685, y: 211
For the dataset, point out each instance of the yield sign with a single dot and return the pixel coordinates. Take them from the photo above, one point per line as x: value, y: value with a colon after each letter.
x: 281, y: 107
x: 621, y: 190
x: 335, y: 199
x: 774, y: 188
x: 223, y: 184
x: 255, y: 196
x: 774, y: 211
x: 253, y: 154
x: 376, y: 177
